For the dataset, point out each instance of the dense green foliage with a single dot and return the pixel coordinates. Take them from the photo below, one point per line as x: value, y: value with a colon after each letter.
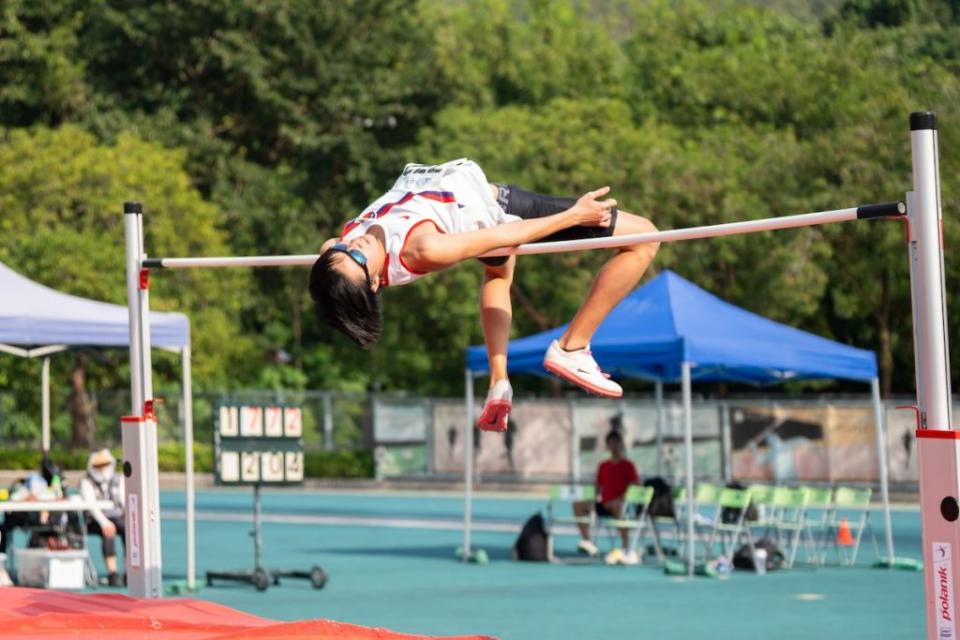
x: 251, y: 128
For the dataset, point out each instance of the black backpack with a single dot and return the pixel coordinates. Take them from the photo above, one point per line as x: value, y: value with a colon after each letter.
x: 743, y: 558
x: 661, y: 505
x: 531, y: 545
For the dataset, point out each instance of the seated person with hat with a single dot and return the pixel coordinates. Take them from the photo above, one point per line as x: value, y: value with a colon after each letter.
x: 102, y: 483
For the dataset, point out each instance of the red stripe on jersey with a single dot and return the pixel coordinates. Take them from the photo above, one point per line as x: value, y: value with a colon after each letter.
x: 436, y: 196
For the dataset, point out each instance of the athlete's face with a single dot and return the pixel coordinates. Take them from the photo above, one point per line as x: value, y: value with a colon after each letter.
x: 361, y: 258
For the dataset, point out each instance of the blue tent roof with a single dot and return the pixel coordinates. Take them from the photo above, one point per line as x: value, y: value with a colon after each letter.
x: 670, y: 320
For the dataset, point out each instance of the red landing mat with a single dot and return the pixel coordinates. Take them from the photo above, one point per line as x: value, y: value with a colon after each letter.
x: 37, y: 613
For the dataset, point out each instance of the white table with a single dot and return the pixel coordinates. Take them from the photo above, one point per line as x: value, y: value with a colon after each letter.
x: 9, y: 506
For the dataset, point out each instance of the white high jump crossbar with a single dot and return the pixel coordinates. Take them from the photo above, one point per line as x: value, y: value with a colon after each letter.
x: 938, y: 443
x: 887, y: 209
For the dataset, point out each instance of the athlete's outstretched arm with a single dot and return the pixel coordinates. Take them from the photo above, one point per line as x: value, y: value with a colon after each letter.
x: 434, y: 252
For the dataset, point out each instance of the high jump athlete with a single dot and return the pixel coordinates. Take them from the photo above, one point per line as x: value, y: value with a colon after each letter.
x: 437, y: 216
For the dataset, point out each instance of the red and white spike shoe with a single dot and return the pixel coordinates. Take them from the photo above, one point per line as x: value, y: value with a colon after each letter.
x: 497, y: 407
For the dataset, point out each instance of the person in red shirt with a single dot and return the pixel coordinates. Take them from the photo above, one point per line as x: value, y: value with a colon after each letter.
x: 614, y: 476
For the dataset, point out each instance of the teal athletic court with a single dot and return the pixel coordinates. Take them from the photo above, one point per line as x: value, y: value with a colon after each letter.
x: 397, y: 573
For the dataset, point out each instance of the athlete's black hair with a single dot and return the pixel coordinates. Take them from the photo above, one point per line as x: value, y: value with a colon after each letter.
x: 346, y: 304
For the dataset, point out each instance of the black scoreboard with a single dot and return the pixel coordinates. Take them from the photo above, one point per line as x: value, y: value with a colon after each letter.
x: 258, y: 444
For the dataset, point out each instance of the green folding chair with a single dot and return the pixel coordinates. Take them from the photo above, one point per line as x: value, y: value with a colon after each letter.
x: 731, y: 534
x: 791, y: 526
x: 563, y: 496
x: 639, y: 498
x: 762, y: 499
x: 819, y: 511
x: 853, y: 506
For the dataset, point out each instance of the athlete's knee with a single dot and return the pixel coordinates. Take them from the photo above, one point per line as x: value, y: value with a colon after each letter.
x: 640, y: 225
x: 500, y: 270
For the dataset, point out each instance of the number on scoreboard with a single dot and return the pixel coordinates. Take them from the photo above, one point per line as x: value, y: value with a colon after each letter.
x: 250, y: 466
x: 294, y: 466
x: 274, y: 422
x: 272, y: 466
x: 229, y: 422
x: 292, y: 422
x: 251, y: 422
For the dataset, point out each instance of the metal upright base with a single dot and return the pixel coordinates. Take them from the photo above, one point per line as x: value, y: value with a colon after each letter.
x: 261, y: 577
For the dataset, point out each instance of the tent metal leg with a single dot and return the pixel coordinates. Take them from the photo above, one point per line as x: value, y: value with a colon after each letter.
x: 658, y: 395
x: 688, y: 466
x: 45, y: 402
x: 468, y: 467
x: 878, y: 421
x: 187, y: 390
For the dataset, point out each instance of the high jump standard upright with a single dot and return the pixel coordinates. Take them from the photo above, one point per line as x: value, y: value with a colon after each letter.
x: 938, y: 443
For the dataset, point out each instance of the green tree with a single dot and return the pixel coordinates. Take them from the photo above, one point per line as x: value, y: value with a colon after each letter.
x: 61, y: 195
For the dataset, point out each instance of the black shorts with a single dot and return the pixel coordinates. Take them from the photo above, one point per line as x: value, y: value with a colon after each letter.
x: 603, y: 512
x: 527, y: 205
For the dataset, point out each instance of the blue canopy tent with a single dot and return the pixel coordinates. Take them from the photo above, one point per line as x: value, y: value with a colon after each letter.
x: 671, y: 330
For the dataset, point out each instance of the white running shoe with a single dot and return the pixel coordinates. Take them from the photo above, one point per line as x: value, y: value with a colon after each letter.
x: 581, y: 369
x: 630, y: 558
x: 614, y: 557
x: 587, y: 547
x: 496, y: 409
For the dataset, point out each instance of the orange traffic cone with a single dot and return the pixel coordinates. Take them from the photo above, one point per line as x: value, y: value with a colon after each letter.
x: 844, y: 537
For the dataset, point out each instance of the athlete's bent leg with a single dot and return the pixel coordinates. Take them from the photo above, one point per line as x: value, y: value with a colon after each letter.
x: 568, y: 357
x: 613, y: 282
x: 496, y: 313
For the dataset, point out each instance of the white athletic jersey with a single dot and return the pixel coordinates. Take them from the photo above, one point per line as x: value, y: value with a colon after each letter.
x: 455, y: 196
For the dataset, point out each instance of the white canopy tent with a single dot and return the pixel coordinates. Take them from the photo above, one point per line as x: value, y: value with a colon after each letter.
x: 37, y: 321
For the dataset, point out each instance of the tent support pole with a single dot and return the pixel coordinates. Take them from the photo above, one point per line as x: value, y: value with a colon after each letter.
x: 45, y: 402
x: 878, y: 422
x: 687, y: 384
x: 658, y: 395
x: 468, y: 467
x: 187, y: 390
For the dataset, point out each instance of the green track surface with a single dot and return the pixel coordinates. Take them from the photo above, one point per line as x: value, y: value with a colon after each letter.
x: 407, y: 579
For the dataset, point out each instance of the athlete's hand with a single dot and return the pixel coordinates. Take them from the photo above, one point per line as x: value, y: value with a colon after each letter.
x: 109, y: 529
x: 591, y: 211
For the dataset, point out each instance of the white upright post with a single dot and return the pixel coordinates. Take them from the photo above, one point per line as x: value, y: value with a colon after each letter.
x: 658, y: 395
x: 687, y: 385
x: 878, y: 422
x: 45, y: 401
x: 467, y: 433
x: 937, y: 442
x: 187, y: 384
x: 139, y: 430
